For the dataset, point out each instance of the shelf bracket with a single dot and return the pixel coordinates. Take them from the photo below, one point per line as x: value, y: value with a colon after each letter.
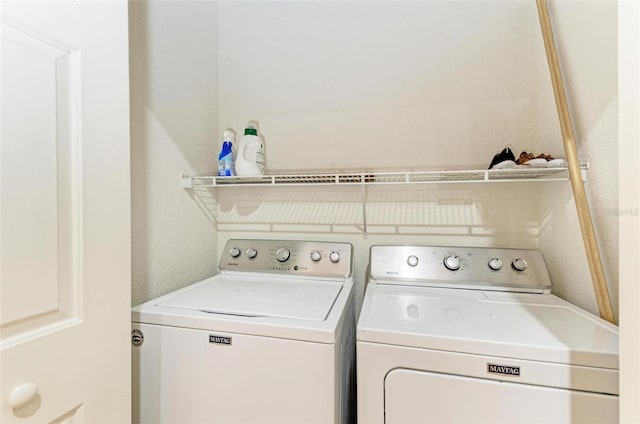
x: 187, y: 182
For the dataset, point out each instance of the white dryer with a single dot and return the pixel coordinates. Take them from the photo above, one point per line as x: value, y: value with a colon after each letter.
x: 473, y: 335
x: 268, y: 340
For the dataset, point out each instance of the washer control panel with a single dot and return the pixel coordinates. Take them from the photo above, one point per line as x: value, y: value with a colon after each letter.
x: 322, y: 259
x: 463, y: 267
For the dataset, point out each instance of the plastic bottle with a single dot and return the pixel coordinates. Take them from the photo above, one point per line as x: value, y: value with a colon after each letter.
x: 250, y: 160
x: 226, y: 166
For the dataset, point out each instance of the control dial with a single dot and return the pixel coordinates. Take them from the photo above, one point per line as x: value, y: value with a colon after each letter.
x: 234, y: 252
x: 412, y: 260
x: 452, y: 262
x: 251, y: 253
x: 334, y: 256
x: 519, y: 264
x: 283, y: 254
x: 495, y: 264
x: 316, y: 256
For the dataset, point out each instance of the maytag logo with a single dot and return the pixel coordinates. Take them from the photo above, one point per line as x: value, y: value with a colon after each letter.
x: 137, y: 338
x: 219, y: 339
x: 503, y: 370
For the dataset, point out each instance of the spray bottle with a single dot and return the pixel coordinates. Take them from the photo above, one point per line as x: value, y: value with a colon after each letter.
x: 226, y: 167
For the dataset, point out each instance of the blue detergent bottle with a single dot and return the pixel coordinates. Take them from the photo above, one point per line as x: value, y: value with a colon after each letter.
x: 226, y: 165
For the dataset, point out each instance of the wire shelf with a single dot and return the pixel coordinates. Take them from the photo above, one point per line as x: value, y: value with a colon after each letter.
x: 520, y: 173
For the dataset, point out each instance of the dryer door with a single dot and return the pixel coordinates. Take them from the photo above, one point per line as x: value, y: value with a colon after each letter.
x: 422, y: 397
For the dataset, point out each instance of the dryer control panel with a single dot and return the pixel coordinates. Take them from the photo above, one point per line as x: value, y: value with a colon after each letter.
x: 295, y: 257
x: 522, y: 270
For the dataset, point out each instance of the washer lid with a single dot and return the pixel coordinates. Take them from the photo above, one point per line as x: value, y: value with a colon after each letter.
x: 538, y: 327
x: 258, y: 297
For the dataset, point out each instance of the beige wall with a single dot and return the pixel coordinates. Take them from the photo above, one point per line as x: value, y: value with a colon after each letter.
x: 383, y: 84
x: 345, y: 85
x: 173, y: 131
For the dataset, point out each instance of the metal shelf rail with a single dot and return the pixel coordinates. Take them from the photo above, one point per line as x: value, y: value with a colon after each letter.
x: 518, y: 174
x: 367, y: 178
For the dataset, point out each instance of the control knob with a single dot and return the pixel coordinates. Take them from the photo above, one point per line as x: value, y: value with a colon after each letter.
x: 452, y: 262
x: 234, y: 252
x: 519, y: 264
x: 316, y: 256
x: 334, y: 256
x: 282, y: 254
x: 251, y: 253
x: 412, y: 260
x: 495, y: 264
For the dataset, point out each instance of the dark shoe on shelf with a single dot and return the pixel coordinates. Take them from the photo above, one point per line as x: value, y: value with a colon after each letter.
x: 504, y: 159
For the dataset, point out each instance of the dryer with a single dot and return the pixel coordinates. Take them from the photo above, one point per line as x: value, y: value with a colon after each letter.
x: 459, y: 334
x: 268, y: 340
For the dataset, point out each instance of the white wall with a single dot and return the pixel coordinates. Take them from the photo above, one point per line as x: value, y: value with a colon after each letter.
x: 421, y: 85
x: 377, y: 85
x: 369, y: 85
x: 174, y: 128
x: 383, y: 84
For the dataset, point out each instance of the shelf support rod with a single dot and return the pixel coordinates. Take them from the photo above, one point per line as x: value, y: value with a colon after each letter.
x: 575, y: 175
x: 364, y: 210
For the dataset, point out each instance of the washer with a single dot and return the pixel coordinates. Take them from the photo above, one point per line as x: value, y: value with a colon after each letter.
x: 271, y: 339
x: 458, y: 334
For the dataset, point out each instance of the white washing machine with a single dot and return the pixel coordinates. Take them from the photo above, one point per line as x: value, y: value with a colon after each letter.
x: 268, y: 340
x: 473, y: 335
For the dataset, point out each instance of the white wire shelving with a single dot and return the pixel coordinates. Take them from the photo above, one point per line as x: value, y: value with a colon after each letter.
x: 518, y: 174
x: 290, y: 189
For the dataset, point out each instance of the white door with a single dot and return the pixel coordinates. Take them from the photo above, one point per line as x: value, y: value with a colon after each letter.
x: 65, y: 228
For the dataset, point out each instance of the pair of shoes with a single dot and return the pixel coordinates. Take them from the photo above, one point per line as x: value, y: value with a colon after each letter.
x: 541, y: 161
x: 504, y: 159
x: 531, y: 159
x: 524, y: 158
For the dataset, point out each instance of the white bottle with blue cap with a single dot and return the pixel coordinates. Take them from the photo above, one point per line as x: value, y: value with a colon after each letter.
x: 250, y: 160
